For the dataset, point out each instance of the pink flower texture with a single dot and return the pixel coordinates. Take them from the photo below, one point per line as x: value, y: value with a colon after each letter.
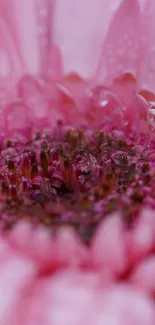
x: 77, y: 162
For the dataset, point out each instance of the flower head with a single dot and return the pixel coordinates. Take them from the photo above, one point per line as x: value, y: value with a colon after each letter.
x: 77, y: 162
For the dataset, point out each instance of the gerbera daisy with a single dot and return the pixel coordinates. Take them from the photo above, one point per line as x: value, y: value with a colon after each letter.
x: 77, y: 162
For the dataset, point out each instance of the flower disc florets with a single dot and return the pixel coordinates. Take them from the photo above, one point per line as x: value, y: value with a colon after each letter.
x: 76, y: 176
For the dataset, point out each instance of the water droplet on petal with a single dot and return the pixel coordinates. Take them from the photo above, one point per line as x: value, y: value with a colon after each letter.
x: 103, y: 103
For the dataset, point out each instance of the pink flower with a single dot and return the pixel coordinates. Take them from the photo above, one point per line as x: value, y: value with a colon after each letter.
x: 77, y: 162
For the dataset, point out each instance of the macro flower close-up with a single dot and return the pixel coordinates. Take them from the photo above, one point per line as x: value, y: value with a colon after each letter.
x: 77, y: 162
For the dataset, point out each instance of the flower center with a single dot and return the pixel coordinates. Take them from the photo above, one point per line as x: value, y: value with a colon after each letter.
x: 76, y: 177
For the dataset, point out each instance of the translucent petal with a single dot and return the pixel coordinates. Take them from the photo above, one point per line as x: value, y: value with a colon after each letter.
x: 146, y: 78
x: 79, y: 31
x: 10, y: 64
x: 21, y: 21
x: 120, y: 52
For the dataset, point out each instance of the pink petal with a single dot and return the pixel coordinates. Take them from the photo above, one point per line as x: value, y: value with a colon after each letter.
x: 102, y: 104
x: 10, y: 63
x: 69, y: 249
x: 61, y: 300
x: 5, y: 251
x: 24, y: 28
x: 108, y: 248
x: 66, y: 103
x: 33, y: 41
x: 31, y: 307
x: 32, y: 94
x: 120, y: 53
x: 125, y: 88
x: 143, y: 276
x: 35, y: 244
x: 147, y: 66
x: 121, y: 305
x: 53, y: 64
x: 16, y: 274
x: 50, y: 60
x: 9, y: 18
x: 142, y: 237
x: 76, y: 84
x: 49, y: 252
x: 71, y: 295
x: 79, y: 31
x: 136, y: 113
x: 16, y: 118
